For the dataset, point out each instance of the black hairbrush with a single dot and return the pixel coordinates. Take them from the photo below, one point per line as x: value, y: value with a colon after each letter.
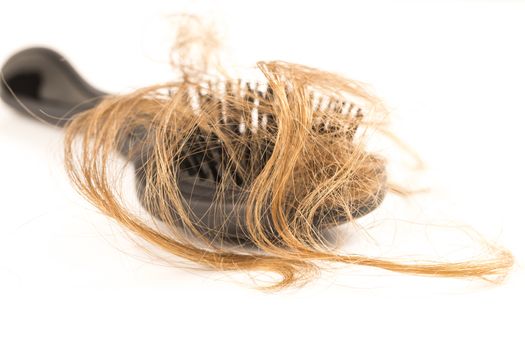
x: 39, y: 82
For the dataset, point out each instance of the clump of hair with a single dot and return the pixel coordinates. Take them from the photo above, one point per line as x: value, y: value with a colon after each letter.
x: 307, y: 169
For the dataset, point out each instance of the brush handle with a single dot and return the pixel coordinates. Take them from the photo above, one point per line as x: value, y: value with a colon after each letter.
x: 40, y: 83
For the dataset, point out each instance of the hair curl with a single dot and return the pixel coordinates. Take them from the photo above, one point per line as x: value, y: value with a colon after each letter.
x: 308, y: 169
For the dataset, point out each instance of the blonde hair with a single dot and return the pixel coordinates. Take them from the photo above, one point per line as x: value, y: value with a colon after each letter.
x: 306, y: 171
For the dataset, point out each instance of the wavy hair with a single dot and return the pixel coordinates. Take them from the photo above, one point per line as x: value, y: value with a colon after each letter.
x: 299, y: 161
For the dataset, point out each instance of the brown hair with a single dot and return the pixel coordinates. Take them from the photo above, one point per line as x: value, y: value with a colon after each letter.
x: 317, y: 161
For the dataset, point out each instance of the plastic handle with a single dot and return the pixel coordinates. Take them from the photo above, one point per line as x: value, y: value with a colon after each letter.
x: 40, y: 83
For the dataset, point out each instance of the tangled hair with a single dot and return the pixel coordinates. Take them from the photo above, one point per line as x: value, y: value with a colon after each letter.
x: 306, y: 171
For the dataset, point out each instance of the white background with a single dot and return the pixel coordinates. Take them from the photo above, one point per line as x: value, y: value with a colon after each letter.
x: 453, y: 76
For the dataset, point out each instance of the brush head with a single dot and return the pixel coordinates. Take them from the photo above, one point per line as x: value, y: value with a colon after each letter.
x: 231, y: 143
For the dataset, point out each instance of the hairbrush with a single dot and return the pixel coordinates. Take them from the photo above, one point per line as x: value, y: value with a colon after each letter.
x: 222, y: 164
x: 40, y: 83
